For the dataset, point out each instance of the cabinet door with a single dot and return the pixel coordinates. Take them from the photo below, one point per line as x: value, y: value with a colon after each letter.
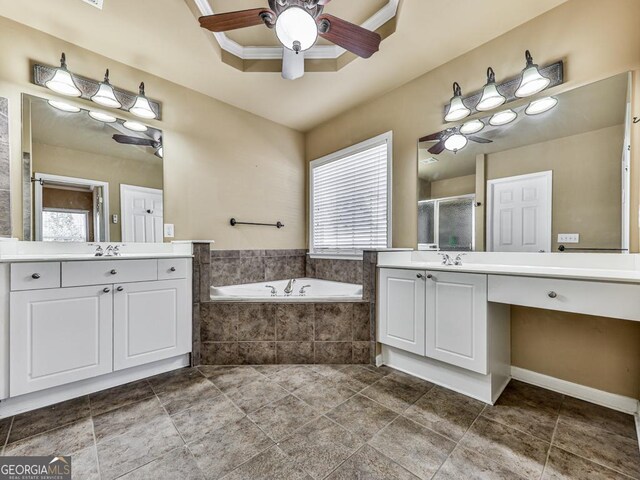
x: 457, y: 319
x: 59, y: 336
x: 402, y: 309
x: 151, y: 321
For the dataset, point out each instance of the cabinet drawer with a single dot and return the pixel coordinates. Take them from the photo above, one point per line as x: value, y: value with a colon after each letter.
x: 169, y: 268
x: 35, y: 276
x: 108, y: 271
x: 615, y: 300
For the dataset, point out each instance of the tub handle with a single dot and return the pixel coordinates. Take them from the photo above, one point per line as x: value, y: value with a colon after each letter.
x: 274, y: 292
x: 302, y: 291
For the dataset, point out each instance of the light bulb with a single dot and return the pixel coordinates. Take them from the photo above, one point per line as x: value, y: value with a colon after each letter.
x: 296, y: 29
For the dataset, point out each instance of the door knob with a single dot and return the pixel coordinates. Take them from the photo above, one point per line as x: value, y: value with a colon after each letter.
x: 35, y: 276
x: 121, y: 288
x: 552, y: 294
x: 114, y: 271
x: 106, y: 290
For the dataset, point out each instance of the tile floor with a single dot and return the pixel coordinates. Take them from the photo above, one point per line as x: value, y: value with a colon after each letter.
x: 320, y: 421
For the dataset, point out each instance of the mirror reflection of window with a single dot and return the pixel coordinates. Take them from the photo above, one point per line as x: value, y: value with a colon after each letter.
x: 65, y: 226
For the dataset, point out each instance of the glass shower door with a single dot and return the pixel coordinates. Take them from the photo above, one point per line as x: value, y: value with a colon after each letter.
x: 447, y: 224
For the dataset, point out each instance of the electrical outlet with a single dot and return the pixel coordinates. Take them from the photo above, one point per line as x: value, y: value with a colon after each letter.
x: 568, y: 238
x: 114, y: 218
x: 169, y: 230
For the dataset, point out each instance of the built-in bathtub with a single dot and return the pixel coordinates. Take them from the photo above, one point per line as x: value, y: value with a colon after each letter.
x: 314, y: 291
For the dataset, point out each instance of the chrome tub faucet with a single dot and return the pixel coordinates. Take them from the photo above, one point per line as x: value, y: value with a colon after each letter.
x: 288, y: 290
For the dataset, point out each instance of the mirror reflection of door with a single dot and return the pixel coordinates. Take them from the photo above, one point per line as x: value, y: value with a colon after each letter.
x: 142, y: 214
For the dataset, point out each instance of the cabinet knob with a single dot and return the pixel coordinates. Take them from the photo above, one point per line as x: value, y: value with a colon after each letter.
x: 35, y: 276
x: 552, y: 294
x: 106, y: 290
x: 173, y: 269
x: 419, y: 275
x: 429, y: 276
x: 114, y: 271
x: 120, y: 288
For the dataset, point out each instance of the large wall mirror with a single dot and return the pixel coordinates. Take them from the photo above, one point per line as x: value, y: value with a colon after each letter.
x: 545, y: 174
x: 89, y: 176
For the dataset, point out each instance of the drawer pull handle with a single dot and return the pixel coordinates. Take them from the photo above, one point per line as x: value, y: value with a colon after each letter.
x: 35, y: 276
x: 553, y: 294
x: 106, y: 290
x: 114, y: 271
x: 120, y: 288
x: 173, y: 269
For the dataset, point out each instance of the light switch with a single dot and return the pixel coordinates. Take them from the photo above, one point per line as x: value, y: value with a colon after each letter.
x: 168, y: 230
x: 568, y: 238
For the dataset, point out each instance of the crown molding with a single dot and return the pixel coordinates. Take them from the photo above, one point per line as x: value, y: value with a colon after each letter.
x: 317, y: 52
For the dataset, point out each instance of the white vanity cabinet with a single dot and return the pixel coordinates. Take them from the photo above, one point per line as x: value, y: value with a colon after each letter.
x: 59, y: 336
x: 95, y: 317
x: 456, y: 319
x: 402, y: 310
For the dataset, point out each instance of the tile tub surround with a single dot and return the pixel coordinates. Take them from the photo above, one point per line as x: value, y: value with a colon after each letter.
x: 237, y: 267
x: 285, y: 333
x: 5, y: 177
x: 324, y: 422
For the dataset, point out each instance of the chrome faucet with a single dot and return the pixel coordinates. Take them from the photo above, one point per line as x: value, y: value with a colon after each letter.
x: 302, y: 291
x: 274, y: 292
x: 99, y: 252
x: 458, y: 260
x: 288, y: 290
x: 109, y: 251
x: 446, y: 259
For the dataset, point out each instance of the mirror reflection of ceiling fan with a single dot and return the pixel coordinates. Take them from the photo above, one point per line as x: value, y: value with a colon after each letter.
x: 297, y: 24
x: 156, y: 144
x: 451, y: 139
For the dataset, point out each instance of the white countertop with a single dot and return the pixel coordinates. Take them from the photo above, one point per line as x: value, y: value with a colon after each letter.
x: 70, y: 257
x: 595, y: 267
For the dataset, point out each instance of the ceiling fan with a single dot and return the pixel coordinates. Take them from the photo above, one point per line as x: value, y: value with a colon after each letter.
x: 142, y: 142
x: 451, y: 139
x: 297, y: 24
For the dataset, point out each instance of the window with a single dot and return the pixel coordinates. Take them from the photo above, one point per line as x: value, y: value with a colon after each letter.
x: 65, y: 225
x: 350, y: 199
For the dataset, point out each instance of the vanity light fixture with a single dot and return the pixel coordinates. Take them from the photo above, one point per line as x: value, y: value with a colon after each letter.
x: 471, y: 127
x: 457, y: 109
x: 532, y: 82
x: 142, y: 108
x: 296, y: 29
x: 62, y: 80
x: 502, y: 118
x: 541, y: 105
x: 455, y: 142
x: 65, y: 107
x: 102, y: 117
x: 160, y: 152
x: 134, y: 126
x: 105, y: 95
x: 491, y: 97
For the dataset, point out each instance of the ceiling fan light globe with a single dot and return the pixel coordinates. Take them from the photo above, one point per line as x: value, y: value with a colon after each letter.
x: 295, y: 24
x: 457, y: 110
x: 491, y: 98
x: 62, y: 83
x: 455, y: 142
x: 532, y: 82
x: 105, y: 97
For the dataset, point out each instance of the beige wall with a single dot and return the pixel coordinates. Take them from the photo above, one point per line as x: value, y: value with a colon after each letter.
x: 587, y: 182
x: 452, y: 187
x: 116, y: 171
x: 219, y: 161
x: 597, y: 40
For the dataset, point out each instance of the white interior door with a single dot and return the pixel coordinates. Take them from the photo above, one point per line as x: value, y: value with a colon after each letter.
x: 142, y: 214
x: 519, y: 213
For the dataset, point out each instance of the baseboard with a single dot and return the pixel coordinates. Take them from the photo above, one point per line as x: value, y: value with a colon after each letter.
x: 593, y: 395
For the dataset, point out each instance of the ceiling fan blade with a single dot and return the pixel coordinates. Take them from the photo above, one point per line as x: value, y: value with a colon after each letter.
x: 437, y: 148
x: 223, y: 22
x: 292, y: 64
x: 354, y: 38
x: 128, y: 140
x: 434, y: 137
x: 479, y: 139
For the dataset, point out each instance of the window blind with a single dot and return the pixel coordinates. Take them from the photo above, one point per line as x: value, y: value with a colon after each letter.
x: 350, y: 201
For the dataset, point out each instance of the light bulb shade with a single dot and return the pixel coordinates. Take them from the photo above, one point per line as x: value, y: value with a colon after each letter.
x: 105, y: 95
x: 491, y: 98
x: 295, y: 24
x: 502, y: 118
x: 469, y: 128
x: 455, y: 142
x: 134, y: 126
x: 102, y: 117
x: 62, y: 83
x: 457, y: 109
x: 541, y: 105
x: 531, y: 82
x: 141, y: 107
x: 65, y: 107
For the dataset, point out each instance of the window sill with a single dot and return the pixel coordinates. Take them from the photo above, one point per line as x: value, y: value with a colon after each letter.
x: 335, y: 256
